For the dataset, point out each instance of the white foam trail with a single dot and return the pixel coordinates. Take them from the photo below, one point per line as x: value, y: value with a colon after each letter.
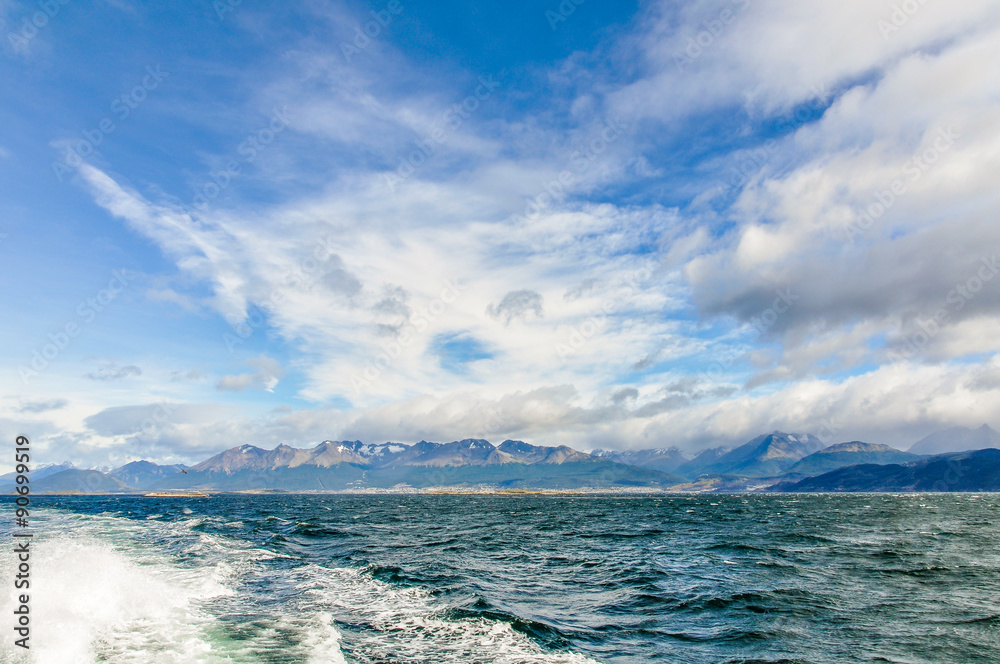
x: 406, y: 624
x: 92, y: 602
x: 115, y: 590
x: 103, y: 590
x: 323, y: 641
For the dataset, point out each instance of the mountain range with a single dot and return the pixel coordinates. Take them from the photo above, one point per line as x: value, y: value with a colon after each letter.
x: 764, y: 456
x: 337, y: 466
x: 963, y: 471
x: 346, y: 465
x: 39, y: 472
x: 667, y: 459
x: 843, y: 455
x: 774, y: 461
x: 144, y: 474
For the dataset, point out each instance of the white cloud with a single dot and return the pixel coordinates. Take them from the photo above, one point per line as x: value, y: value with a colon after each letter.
x: 517, y: 305
x: 582, y: 298
x: 268, y: 373
x: 112, y: 371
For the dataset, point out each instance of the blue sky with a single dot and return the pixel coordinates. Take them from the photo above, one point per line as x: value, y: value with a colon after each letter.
x: 626, y: 225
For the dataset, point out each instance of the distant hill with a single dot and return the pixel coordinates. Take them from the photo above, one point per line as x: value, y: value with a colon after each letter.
x: 957, y: 439
x: 38, y: 472
x: 143, y: 474
x: 344, y: 465
x: 667, y: 460
x: 965, y: 471
x: 775, y: 461
x: 764, y: 456
x: 74, y: 479
x: 843, y: 455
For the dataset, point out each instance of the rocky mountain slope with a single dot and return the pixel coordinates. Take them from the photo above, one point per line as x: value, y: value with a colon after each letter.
x: 344, y: 465
x: 144, y: 474
x: 965, y: 471
x: 765, y: 456
x: 775, y: 461
x: 843, y: 455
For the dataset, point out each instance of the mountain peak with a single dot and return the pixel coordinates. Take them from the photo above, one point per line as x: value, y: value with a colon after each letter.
x: 142, y: 474
x: 766, y: 455
x: 473, y: 443
x: 515, y: 446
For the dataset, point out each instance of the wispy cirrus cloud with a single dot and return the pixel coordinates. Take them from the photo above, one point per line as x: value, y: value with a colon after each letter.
x: 597, y: 287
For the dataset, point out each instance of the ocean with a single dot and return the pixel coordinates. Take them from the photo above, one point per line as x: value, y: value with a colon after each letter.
x: 510, y: 579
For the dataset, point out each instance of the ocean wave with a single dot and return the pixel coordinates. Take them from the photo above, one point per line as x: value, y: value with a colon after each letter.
x: 115, y: 590
x: 91, y: 602
x: 409, y: 625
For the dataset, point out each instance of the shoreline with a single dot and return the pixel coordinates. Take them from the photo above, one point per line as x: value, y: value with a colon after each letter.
x: 208, y: 493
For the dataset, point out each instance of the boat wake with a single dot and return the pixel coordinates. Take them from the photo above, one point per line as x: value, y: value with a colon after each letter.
x: 120, y: 591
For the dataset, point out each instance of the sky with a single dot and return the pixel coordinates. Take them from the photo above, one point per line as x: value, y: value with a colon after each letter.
x: 601, y: 224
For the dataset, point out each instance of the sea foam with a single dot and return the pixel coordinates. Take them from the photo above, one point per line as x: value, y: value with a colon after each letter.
x: 103, y: 590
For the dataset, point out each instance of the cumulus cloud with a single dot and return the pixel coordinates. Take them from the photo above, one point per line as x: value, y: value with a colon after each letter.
x: 520, y: 304
x: 895, y: 405
x: 735, y: 285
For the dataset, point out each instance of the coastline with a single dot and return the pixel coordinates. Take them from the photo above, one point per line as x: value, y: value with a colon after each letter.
x: 645, y: 492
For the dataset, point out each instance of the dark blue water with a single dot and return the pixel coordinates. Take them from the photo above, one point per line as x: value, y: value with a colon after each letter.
x: 734, y: 578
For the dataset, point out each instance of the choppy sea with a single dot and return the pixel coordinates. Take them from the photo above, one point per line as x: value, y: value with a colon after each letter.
x: 509, y: 579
